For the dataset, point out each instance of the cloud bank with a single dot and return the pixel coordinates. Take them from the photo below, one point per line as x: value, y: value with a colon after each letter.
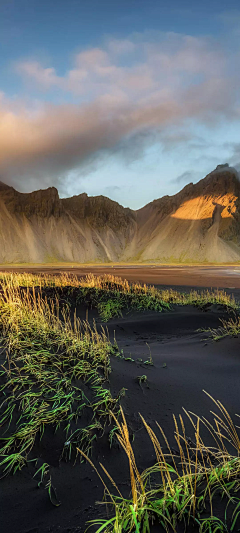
x: 112, y: 96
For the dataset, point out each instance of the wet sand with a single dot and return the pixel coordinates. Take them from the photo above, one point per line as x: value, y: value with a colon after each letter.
x: 179, y: 276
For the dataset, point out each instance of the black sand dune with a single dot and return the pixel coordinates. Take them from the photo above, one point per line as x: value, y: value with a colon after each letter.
x: 184, y: 363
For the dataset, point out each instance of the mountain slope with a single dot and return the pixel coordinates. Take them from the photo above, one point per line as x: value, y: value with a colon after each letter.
x: 40, y: 227
x: 200, y: 223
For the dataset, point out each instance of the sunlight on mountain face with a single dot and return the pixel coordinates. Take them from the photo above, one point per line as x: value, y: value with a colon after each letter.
x: 203, y: 207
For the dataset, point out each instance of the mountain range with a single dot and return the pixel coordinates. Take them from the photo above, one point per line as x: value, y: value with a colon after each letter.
x: 201, y: 223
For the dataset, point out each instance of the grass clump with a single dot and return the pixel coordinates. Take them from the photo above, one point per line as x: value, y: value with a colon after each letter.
x: 50, y: 364
x: 182, y: 487
x: 228, y: 328
x: 112, y: 295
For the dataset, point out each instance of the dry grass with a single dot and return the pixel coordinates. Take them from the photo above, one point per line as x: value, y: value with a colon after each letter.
x: 189, y: 481
x: 112, y: 295
x: 228, y: 328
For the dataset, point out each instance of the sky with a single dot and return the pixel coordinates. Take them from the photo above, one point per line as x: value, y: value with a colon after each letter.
x: 131, y: 99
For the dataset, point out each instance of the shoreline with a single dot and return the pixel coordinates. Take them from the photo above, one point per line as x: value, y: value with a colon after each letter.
x: 184, y: 276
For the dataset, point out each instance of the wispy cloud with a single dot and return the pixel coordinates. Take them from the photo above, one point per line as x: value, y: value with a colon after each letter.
x: 185, y: 177
x: 151, y: 65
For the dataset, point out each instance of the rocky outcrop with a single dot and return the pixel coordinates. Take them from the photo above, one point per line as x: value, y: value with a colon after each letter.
x: 200, y: 223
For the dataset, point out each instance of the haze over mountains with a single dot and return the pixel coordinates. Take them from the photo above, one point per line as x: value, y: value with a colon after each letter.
x: 200, y: 223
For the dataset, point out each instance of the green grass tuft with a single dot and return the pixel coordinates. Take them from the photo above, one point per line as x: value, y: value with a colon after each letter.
x: 188, y: 482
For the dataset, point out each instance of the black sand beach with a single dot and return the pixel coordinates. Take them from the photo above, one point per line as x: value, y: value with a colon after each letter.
x: 185, y: 362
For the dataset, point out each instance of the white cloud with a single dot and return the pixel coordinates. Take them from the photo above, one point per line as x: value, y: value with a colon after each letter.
x: 132, y: 87
x: 153, y: 65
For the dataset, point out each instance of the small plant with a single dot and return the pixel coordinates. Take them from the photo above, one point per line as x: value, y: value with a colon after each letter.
x: 84, y: 438
x: 149, y: 361
x: 228, y: 328
x: 109, y: 309
x: 212, y: 525
x: 142, y: 379
x: 52, y: 493
x: 12, y: 463
x: 44, y: 471
x: 113, y: 436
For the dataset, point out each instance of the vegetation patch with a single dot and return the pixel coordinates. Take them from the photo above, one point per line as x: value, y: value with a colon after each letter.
x: 54, y: 370
x: 183, y: 484
x: 228, y: 328
x: 111, y: 295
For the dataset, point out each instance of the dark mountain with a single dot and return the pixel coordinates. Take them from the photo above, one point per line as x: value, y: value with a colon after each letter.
x: 200, y: 223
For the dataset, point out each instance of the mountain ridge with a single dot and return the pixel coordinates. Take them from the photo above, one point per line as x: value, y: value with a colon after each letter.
x: 201, y: 223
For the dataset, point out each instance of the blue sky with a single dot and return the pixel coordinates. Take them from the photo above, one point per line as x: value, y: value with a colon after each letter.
x: 129, y: 99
